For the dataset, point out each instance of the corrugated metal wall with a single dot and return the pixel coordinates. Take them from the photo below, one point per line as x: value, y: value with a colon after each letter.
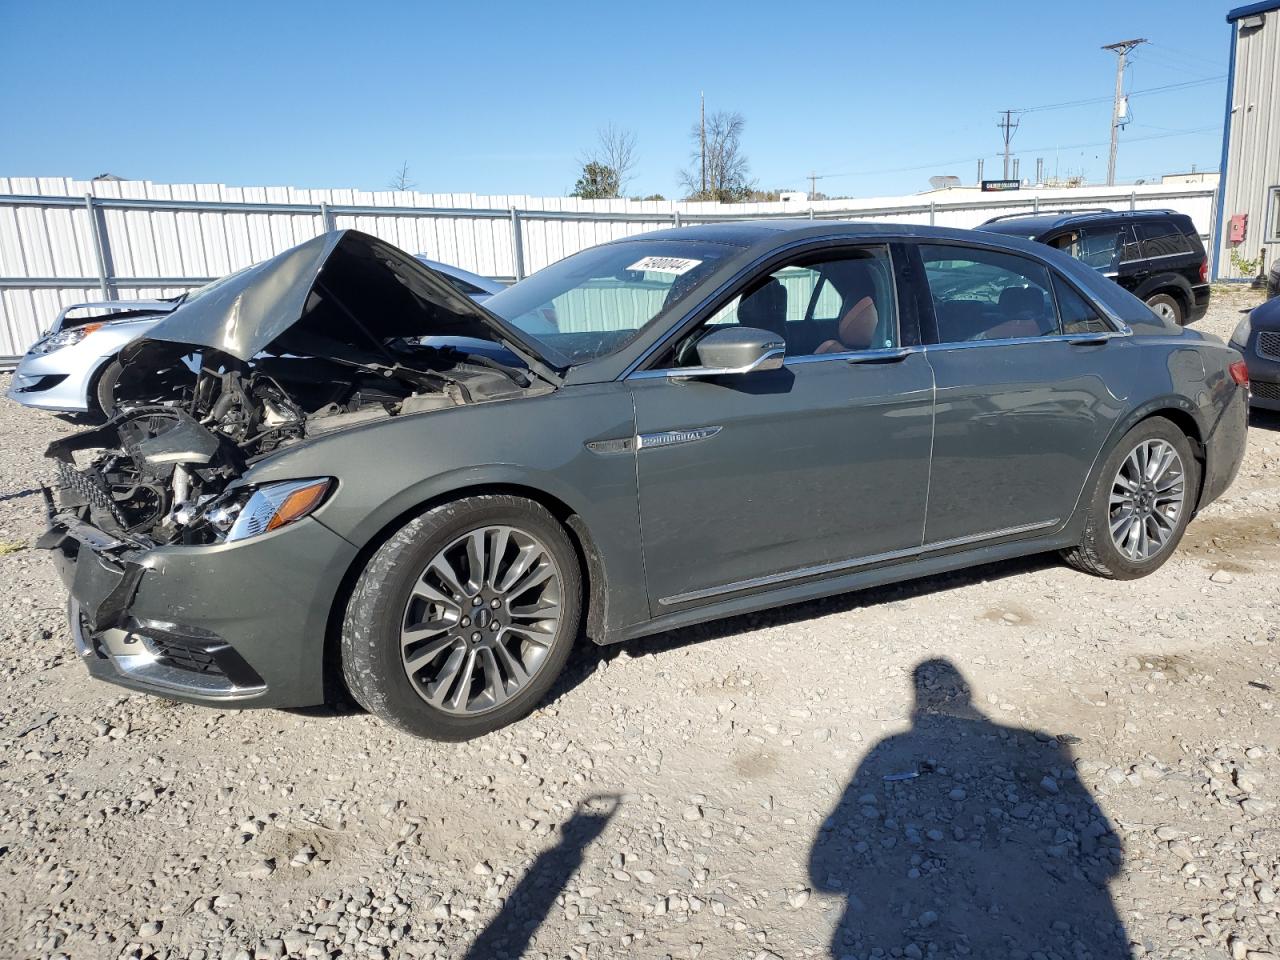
x: 153, y: 245
x: 1252, y: 173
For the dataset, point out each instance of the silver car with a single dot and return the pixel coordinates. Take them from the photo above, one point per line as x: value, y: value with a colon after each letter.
x: 74, y: 366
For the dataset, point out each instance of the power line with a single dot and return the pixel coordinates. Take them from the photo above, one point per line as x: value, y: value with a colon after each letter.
x: 1180, y: 85
x: 1057, y: 146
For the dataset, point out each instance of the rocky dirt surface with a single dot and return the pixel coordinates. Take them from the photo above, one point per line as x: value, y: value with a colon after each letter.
x: 1016, y: 761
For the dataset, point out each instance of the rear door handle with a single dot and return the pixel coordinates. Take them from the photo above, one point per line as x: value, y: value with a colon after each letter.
x: 881, y: 356
x: 1088, y: 339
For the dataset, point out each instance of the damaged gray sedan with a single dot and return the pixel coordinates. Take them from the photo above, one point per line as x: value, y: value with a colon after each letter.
x: 334, y: 472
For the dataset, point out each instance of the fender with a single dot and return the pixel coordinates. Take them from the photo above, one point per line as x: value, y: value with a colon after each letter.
x: 1153, y: 406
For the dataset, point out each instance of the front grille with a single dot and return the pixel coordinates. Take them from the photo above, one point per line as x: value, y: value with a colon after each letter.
x: 1265, y: 390
x: 89, y: 488
x: 1269, y: 344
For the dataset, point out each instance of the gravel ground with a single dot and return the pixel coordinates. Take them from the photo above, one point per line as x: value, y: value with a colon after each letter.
x: 1015, y: 761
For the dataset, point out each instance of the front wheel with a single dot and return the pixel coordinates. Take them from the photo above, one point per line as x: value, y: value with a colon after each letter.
x: 1166, y: 307
x: 462, y: 620
x: 104, y: 390
x: 1142, y: 503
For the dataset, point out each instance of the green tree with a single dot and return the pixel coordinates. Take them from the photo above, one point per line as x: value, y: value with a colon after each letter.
x: 598, y: 182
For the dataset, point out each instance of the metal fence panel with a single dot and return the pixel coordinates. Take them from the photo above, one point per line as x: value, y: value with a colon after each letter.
x: 64, y: 241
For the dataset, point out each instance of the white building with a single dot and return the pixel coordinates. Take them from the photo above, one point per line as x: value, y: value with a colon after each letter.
x: 1248, y: 217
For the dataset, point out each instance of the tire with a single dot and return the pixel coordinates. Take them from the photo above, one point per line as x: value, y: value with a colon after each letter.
x: 1167, y: 307
x: 1099, y: 552
x: 392, y: 671
x: 104, y: 388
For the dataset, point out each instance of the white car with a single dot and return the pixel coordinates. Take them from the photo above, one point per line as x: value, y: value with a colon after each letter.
x: 74, y: 366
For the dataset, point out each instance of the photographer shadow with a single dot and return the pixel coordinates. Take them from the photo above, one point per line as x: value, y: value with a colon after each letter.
x: 965, y: 838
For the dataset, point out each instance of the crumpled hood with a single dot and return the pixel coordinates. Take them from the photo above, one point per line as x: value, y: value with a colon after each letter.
x: 383, y: 291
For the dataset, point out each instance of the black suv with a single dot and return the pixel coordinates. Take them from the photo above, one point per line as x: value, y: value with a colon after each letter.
x: 1154, y: 254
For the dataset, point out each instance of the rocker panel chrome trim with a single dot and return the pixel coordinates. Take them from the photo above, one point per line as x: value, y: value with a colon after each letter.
x: 842, y: 566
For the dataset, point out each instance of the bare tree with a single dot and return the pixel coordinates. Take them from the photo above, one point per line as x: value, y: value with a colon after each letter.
x: 401, y: 181
x: 617, y: 150
x: 606, y: 167
x: 726, y: 165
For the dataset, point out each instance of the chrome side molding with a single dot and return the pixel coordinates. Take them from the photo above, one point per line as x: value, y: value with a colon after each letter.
x: 845, y: 566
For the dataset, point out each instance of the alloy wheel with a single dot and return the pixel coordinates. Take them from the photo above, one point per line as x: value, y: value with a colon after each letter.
x: 480, y: 619
x: 1147, y: 497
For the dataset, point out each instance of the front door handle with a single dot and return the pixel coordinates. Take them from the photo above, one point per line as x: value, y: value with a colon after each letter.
x: 881, y: 356
x: 1088, y: 339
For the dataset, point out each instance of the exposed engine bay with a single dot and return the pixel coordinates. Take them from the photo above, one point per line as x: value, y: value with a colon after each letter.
x: 194, y: 417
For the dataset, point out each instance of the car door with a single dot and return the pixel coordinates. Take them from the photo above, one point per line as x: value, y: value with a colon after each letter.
x: 747, y: 481
x: 1024, y: 401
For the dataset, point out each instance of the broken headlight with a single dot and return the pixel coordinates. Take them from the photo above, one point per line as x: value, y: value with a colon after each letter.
x: 65, y: 338
x: 248, y: 512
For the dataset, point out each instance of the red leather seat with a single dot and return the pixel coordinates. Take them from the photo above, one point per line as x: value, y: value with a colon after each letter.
x: 856, y: 330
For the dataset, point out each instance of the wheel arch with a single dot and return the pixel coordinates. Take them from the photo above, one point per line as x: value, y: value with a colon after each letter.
x: 595, y: 596
x: 1173, y: 284
x: 91, y: 386
x: 1177, y: 410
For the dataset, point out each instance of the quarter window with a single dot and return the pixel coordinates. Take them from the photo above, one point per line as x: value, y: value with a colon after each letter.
x: 820, y: 304
x: 1160, y: 238
x: 987, y: 295
x: 1078, y: 316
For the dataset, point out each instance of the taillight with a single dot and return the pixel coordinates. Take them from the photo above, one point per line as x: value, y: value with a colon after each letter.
x: 1239, y: 373
x: 1204, y: 270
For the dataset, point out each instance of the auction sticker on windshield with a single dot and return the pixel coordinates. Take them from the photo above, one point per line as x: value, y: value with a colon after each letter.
x: 676, y: 265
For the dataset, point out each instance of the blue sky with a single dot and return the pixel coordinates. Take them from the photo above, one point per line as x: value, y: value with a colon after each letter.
x: 505, y: 97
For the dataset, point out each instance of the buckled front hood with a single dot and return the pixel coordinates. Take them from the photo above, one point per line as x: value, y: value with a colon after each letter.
x: 371, y: 291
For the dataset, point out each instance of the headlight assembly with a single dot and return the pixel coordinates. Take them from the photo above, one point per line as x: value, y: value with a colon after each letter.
x: 65, y: 338
x: 252, y: 511
x: 1244, y: 330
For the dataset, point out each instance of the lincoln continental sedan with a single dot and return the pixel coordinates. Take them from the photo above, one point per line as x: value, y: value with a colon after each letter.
x: 333, y: 474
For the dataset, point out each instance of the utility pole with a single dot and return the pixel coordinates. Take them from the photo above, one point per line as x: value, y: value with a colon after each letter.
x: 1008, y: 126
x: 1121, y: 50
x: 703, y: 125
x: 814, y: 177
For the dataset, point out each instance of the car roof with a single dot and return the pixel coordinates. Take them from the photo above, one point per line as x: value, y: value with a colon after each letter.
x: 1036, y: 224
x: 780, y: 232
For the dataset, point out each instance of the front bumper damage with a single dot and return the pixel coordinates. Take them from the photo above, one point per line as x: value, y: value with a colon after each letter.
x: 236, y: 625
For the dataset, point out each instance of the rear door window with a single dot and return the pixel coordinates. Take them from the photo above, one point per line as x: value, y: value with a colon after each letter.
x: 1161, y: 238
x: 988, y: 295
x: 1100, y: 247
x: 1129, y: 250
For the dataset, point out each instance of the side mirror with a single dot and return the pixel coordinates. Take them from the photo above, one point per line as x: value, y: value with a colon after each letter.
x: 736, y: 350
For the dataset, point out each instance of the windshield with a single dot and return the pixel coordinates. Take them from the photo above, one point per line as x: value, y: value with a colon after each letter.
x: 596, y: 301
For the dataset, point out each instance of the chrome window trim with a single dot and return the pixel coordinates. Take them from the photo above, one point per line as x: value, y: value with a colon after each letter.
x: 1092, y: 337
x: 853, y: 356
x: 841, y: 566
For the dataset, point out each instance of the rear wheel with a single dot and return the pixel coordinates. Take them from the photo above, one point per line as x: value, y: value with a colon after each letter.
x: 1141, y: 505
x: 1166, y: 307
x: 461, y: 622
